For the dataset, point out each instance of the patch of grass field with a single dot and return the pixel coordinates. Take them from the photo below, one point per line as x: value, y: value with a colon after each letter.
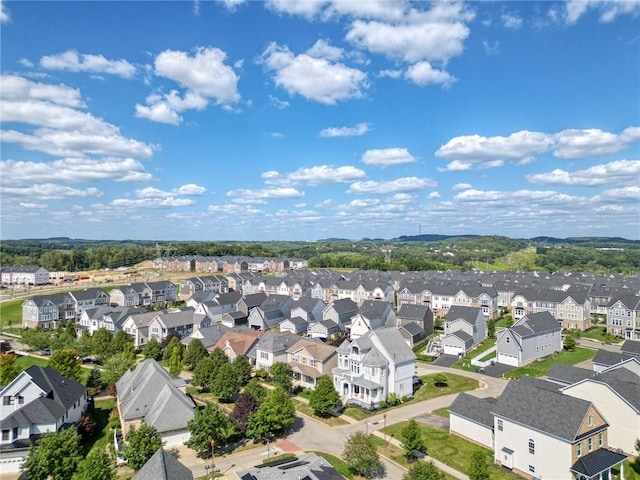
x: 540, y: 367
x: 427, y: 391
x: 515, y: 260
x: 11, y: 313
x: 341, y: 467
x: 465, y: 362
x: 308, y: 411
x: 450, y: 449
x: 504, y: 322
x: 442, y: 412
x: 24, y: 362
x: 99, y: 412
x: 488, y: 357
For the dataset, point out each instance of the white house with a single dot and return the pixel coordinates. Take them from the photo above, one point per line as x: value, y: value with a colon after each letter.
x: 37, y: 401
x: 374, y: 366
x: 24, y: 275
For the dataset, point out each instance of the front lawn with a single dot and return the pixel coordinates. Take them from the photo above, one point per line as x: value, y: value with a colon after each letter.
x: 450, y: 449
x: 11, y: 313
x: 442, y: 412
x: 304, y: 408
x: 23, y: 362
x: 99, y: 412
x: 465, y: 362
x: 539, y: 368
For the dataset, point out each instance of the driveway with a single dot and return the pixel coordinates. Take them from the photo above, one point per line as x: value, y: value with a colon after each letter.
x: 445, y: 360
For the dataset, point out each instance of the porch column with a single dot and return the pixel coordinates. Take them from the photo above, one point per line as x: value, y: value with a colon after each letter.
x: 622, y: 470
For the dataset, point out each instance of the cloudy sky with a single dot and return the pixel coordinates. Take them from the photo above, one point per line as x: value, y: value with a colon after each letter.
x: 301, y: 120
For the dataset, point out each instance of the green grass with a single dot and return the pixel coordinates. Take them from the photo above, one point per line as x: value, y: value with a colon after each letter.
x: 504, y: 322
x: 24, y: 362
x: 308, y: 411
x: 450, y: 449
x: 515, y: 260
x: 427, y: 391
x: 465, y: 362
x: 11, y: 313
x: 488, y: 357
x: 442, y: 412
x: 539, y: 368
x: 100, y: 414
x: 341, y: 467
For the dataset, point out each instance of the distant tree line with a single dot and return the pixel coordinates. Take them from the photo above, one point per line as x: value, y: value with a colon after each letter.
x: 592, y: 255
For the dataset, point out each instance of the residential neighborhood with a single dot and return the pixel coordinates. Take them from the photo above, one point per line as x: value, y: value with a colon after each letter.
x: 369, y: 333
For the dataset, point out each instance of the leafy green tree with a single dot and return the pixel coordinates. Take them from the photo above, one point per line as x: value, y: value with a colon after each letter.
x: 274, y: 415
x: 423, y: 471
x: 478, y: 466
x: 116, y: 365
x: 244, y: 407
x: 227, y: 383
x: 98, y: 465
x: 194, y: 353
x: 282, y: 374
x: 64, y: 337
x: 66, y: 362
x: 55, y: 456
x: 8, y: 368
x: 36, y: 338
x: 140, y: 445
x: 94, y: 379
x: 175, y: 362
x: 152, y: 349
x: 168, y: 349
x: 219, y: 358
x: 256, y: 389
x: 324, y: 398
x: 569, y: 343
x: 84, y: 344
x: 203, y: 373
x: 209, y: 423
x: 101, y: 343
x: 361, y: 455
x: 412, y: 440
x: 491, y: 328
x: 121, y: 343
x: 242, y: 367
x: 440, y: 380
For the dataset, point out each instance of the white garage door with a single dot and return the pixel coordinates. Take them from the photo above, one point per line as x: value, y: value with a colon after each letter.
x: 508, y: 359
x: 452, y: 349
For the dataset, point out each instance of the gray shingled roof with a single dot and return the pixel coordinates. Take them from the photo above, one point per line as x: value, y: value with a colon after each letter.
x: 597, y: 462
x: 344, y: 305
x: 542, y: 409
x: 607, y: 358
x: 631, y: 347
x: 163, y: 466
x: 64, y: 391
x: 469, y: 314
x: 567, y: 374
x: 413, y: 312
x: 395, y: 344
x: 473, y: 408
x: 536, y: 323
x: 374, y: 308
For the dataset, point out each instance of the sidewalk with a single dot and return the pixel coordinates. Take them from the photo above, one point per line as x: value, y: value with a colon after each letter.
x: 445, y: 468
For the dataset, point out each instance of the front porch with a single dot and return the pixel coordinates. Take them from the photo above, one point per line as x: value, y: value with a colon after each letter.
x: 597, y: 465
x: 362, y: 392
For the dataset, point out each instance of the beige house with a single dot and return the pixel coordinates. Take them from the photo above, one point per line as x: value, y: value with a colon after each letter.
x: 310, y: 359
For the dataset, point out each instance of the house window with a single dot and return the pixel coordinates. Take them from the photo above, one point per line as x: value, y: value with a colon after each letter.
x: 5, y: 435
x: 532, y: 447
x: 7, y: 400
x: 600, y: 439
x: 590, y: 444
x: 264, y: 355
x: 500, y: 426
x: 532, y: 469
x: 507, y: 340
x: 20, y: 400
x: 15, y: 433
x: 590, y: 420
x: 579, y: 450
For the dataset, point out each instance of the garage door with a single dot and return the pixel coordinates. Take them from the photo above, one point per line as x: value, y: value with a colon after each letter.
x: 452, y: 349
x: 508, y: 359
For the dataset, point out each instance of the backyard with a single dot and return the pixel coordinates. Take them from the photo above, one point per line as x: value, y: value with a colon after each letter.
x: 539, y: 368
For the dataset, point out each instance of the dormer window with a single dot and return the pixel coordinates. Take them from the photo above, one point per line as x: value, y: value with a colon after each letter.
x: 355, y: 350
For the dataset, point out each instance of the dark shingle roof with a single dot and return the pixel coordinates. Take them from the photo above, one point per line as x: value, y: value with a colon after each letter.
x: 473, y: 408
x: 64, y: 391
x: 469, y: 314
x: 631, y: 347
x: 163, y: 466
x: 596, y: 462
x: 567, y: 374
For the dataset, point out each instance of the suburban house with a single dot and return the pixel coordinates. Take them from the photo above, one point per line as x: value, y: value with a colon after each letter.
x: 294, y: 325
x: 48, y: 311
x: 374, y: 366
x: 419, y: 314
x: 107, y: 317
x: 37, y: 401
x: 24, y: 275
x: 472, y: 418
x: 323, y: 330
x: 464, y: 328
x: 149, y: 394
x: 234, y: 319
x: 616, y: 393
x: 271, y: 312
x: 89, y: 298
x: 533, y: 336
x: 179, y: 322
x: 307, y: 466
x: 163, y: 466
x: 234, y: 344
x: 373, y: 314
x: 310, y: 359
x: 162, y: 292
x: 221, y: 304
x: 249, y: 302
x: 340, y: 311
x: 134, y: 295
x: 209, y: 336
x: 623, y: 317
x: 543, y: 434
x: 271, y: 348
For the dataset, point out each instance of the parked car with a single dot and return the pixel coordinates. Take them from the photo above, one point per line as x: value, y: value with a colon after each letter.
x: 45, y: 351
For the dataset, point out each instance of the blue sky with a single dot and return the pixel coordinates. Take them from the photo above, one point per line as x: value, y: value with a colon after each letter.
x: 302, y: 120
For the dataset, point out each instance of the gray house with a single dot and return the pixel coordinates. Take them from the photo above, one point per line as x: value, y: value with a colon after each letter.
x: 464, y: 328
x: 340, y: 311
x: 271, y: 312
x: 533, y: 336
x: 163, y: 466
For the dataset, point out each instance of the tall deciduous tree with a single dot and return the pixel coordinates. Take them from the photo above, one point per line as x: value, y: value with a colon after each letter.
x: 282, y: 374
x: 244, y: 407
x: 55, y: 456
x: 101, y: 343
x: 242, y: 367
x: 412, y: 440
x: 175, y: 362
x: 8, y: 368
x: 194, y: 353
x: 274, y: 415
x: 66, y: 362
x: 140, y: 445
x: 152, y: 349
x: 168, y: 349
x: 423, y: 471
x: 361, y: 454
x: 98, y: 465
x: 116, y: 365
x: 209, y: 423
x: 324, y: 398
x: 218, y: 358
x: 226, y: 384
x: 36, y: 338
x: 257, y: 390
x: 202, y: 375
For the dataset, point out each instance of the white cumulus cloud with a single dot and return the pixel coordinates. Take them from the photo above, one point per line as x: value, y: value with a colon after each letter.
x: 422, y: 73
x: 318, y: 175
x: 400, y: 185
x: 72, y: 61
x: 387, y: 157
x: 355, y: 131
x: 620, y: 171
